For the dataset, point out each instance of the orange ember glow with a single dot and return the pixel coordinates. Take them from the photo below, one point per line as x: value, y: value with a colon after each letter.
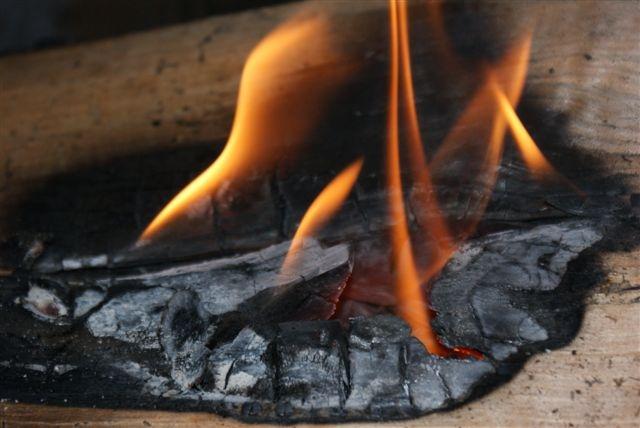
x: 289, y: 75
x: 410, y: 300
x: 325, y: 205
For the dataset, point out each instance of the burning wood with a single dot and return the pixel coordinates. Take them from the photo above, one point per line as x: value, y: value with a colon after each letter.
x: 250, y: 335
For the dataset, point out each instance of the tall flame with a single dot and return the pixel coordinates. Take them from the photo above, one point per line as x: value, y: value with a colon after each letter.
x: 287, y: 77
x: 438, y: 231
x: 410, y: 304
x: 325, y: 205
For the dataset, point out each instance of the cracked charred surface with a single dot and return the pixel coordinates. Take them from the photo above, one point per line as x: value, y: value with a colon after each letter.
x: 164, y: 339
x: 501, y: 294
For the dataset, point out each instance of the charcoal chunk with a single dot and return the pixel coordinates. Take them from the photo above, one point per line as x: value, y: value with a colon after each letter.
x: 234, y: 335
x: 502, y: 351
x: 461, y: 376
x: 377, y: 367
x: 476, y: 297
x: 499, y: 319
x: 87, y: 300
x: 312, y: 375
x: 240, y: 367
x: 426, y: 388
x: 436, y: 382
x: 132, y: 317
x: 535, y: 259
x: 184, y: 332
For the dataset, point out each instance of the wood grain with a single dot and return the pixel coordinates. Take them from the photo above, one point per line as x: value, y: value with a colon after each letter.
x: 70, y: 107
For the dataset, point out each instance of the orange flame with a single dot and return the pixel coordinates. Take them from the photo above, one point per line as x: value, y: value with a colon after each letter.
x: 411, y: 304
x: 438, y: 231
x: 478, y: 136
x: 297, y: 53
x: 472, y: 150
x: 325, y: 205
x: 533, y: 157
x: 474, y: 146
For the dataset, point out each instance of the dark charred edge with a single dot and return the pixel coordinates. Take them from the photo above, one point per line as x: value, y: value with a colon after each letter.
x: 89, y: 386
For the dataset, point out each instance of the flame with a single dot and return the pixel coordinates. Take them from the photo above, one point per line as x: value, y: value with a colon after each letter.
x: 533, y: 157
x: 411, y: 304
x: 299, y: 54
x: 324, y: 206
x: 438, y: 231
x: 478, y: 135
x: 475, y: 144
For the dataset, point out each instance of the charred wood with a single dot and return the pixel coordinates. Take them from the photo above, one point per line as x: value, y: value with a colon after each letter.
x: 166, y: 345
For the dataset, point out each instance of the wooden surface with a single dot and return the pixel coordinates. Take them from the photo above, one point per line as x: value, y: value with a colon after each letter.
x: 69, y: 107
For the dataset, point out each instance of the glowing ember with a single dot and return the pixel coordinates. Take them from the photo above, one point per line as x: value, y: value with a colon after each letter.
x: 325, y: 205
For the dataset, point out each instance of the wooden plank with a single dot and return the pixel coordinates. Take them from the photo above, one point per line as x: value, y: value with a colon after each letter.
x: 171, y: 87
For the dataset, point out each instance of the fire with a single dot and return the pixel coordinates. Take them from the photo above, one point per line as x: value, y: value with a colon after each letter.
x: 475, y: 143
x: 438, y: 229
x: 533, y: 157
x: 288, y: 76
x: 473, y: 147
x: 293, y: 71
x: 411, y: 304
x: 325, y: 205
